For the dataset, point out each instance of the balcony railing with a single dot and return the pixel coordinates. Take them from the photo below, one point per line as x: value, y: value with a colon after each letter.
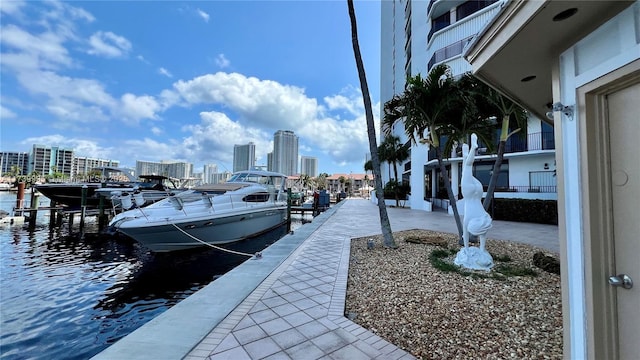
x: 448, y: 52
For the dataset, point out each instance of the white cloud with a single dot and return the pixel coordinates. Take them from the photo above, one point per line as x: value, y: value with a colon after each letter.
x: 141, y: 58
x: 259, y: 102
x: 6, y: 113
x: 81, y: 147
x: 44, y: 50
x: 138, y: 107
x: 350, y: 99
x: 165, y: 72
x: 156, y: 130
x: 203, y: 15
x: 206, y: 144
x: 11, y: 7
x: 222, y: 61
x: 273, y: 106
x: 108, y: 44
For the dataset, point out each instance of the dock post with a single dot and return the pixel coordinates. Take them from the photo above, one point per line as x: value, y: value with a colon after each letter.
x: 20, y: 196
x: 288, y: 209
x: 52, y: 215
x: 33, y: 213
x: 101, y: 216
x: 83, y: 208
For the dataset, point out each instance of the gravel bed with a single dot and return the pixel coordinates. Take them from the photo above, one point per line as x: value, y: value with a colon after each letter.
x: 400, y: 296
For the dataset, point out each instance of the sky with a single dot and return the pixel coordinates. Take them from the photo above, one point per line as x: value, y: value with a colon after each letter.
x: 187, y: 80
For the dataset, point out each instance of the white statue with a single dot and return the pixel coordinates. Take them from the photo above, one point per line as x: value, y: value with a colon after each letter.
x: 476, y: 220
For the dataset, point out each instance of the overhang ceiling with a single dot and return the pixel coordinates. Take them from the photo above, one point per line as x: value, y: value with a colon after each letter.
x: 524, y: 42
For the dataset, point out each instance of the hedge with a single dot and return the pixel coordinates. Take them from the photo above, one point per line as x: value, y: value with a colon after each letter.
x: 525, y: 210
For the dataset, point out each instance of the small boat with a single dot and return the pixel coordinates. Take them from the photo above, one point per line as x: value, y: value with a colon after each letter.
x: 70, y: 194
x: 150, y: 189
x: 248, y: 204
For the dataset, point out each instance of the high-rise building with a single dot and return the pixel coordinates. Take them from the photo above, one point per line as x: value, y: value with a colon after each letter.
x: 45, y: 160
x: 285, y: 152
x: 416, y: 36
x: 208, y: 173
x: 309, y: 166
x: 11, y: 159
x: 270, y: 161
x: 174, y: 169
x: 83, y: 165
x: 244, y: 157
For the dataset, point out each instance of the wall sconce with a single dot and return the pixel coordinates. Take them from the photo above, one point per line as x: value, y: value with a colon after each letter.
x: 546, y: 166
x: 567, y: 110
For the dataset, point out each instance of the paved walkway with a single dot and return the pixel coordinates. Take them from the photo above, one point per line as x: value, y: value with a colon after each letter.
x: 297, y: 311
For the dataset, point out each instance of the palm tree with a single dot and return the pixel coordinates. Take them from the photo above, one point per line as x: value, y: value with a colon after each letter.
x: 502, y: 108
x: 427, y: 107
x: 373, y: 146
x: 394, y: 152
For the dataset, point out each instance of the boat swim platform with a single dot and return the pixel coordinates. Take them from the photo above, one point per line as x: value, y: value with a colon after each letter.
x: 290, y: 303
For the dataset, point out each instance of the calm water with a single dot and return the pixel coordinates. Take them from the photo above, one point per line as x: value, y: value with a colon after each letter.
x: 62, y: 297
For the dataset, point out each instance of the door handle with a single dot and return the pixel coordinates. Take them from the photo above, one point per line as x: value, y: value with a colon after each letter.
x: 621, y: 280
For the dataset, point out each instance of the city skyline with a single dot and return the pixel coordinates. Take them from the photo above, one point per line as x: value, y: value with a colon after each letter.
x: 116, y: 80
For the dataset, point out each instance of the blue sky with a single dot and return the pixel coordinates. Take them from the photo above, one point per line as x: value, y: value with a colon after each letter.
x: 186, y: 80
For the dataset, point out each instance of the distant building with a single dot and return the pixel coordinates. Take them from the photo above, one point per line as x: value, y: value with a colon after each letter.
x: 219, y: 178
x: 209, y: 171
x: 49, y: 159
x: 9, y: 159
x: 244, y: 157
x: 309, y: 166
x: 285, y: 152
x: 83, y: 165
x: 270, y: 161
x: 174, y: 169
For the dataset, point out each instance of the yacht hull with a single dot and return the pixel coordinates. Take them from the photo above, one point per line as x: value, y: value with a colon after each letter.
x: 179, y: 234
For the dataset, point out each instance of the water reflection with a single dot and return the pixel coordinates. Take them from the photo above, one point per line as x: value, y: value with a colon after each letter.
x: 69, y: 297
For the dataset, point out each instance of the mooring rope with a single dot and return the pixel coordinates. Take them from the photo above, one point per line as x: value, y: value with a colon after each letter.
x: 258, y: 255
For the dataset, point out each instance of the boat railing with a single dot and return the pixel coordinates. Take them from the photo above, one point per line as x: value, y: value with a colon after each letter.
x: 202, y: 201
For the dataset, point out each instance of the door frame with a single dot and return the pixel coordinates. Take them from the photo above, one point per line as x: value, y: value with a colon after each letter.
x: 599, y: 261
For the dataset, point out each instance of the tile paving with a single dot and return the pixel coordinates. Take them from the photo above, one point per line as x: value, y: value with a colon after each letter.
x: 297, y: 312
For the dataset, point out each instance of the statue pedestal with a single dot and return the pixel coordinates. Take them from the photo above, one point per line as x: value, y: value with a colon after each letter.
x: 474, y: 258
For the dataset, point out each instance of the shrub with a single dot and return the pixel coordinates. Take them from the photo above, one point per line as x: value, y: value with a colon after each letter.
x: 525, y: 210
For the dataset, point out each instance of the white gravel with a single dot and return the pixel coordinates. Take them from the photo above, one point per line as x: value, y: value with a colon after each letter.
x: 432, y: 314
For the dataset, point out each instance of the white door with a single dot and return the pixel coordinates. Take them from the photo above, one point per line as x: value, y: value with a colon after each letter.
x: 624, y: 126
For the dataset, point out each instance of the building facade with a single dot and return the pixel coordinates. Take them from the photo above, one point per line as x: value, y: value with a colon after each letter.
x: 83, y: 165
x: 244, y: 157
x: 174, y: 169
x: 208, y: 172
x: 10, y: 160
x: 47, y: 160
x: 285, y: 152
x: 417, y: 35
x: 309, y: 165
x: 582, y: 64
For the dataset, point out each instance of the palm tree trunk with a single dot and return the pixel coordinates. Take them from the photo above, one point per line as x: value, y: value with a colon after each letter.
x: 385, y: 224
x: 395, y: 172
x: 504, y: 135
x: 447, y: 185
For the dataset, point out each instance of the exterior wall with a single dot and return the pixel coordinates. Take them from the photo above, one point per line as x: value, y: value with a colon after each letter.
x: 309, y: 166
x: 9, y: 159
x: 611, y: 46
x: 396, y: 54
x: 180, y: 170
x: 285, y: 152
x: 244, y: 157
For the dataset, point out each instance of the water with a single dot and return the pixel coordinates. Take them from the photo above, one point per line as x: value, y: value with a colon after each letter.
x: 62, y: 297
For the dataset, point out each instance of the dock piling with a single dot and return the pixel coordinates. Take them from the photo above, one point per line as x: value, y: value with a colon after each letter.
x: 20, y: 196
x: 83, y: 208
x: 33, y: 213
x: 288, y: 209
